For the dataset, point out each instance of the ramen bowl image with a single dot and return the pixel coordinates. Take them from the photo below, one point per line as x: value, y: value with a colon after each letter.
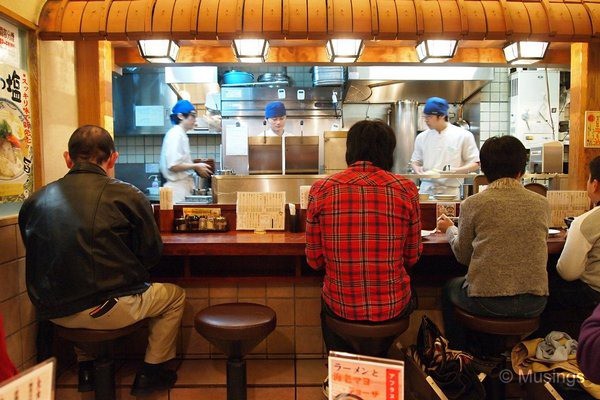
x: 11, y: 144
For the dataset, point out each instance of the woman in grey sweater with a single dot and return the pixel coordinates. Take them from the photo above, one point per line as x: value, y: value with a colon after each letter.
x: 501, y: 237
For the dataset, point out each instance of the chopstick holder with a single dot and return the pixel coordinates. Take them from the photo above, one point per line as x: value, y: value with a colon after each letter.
x: 166, y: 215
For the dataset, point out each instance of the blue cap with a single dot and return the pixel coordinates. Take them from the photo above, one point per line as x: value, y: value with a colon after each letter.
x: 274, y: 109
x: 436, y: 106
x: 183, y: 107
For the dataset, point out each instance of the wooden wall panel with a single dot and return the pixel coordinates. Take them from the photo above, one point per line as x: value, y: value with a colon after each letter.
x: 494, y: 15
x: 116, y: 23
x: 451, y: 18
x: 317, y: 19
x: 387, y: 19
x: 272, y: 18
x: 585, y: 78
x: 207, y: 19
x: 295, y: 19
x: 162, y: 17
x: 510, y: 20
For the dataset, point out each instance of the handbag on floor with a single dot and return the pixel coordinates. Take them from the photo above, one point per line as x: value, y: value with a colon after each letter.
x: 450, y: 369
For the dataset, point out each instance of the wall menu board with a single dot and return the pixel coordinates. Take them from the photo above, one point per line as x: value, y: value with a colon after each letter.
x: 16, y: 149
x: 592, y: 129
x: 10, y: 45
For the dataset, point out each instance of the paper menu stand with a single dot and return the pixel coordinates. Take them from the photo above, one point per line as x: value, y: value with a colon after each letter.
x: 260, y: 211
x: 364, y: 377
x: 566, y: 203
x: 36, y: 383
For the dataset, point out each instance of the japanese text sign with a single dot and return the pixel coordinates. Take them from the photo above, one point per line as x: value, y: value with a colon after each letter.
x: 592, y: 129
x: 357, y: 377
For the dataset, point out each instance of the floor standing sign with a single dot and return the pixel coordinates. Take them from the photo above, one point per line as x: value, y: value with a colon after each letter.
x: 356, y: 377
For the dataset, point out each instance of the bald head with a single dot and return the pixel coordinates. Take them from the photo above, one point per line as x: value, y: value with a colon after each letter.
x: 92, y: 144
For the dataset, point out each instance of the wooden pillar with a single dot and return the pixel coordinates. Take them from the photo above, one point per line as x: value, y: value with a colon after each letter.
x: 585, y: 80
x: 94, y: 60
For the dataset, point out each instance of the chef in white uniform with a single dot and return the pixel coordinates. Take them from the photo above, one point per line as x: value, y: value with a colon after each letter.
x: 275, y: 114
x: 176, y: 163
x: 443, y: 144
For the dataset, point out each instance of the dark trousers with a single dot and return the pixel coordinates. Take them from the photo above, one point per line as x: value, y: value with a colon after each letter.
x: 569, y: 304
x: 334, y: 342
x: 455, y: 294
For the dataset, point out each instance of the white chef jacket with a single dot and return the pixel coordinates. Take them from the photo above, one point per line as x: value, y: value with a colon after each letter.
x: 176, y: 150
x: 453, y: 146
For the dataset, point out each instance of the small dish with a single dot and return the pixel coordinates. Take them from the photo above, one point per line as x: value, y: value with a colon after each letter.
x: 445, y: 197
x: 425, y: 233
x: 553, y: 232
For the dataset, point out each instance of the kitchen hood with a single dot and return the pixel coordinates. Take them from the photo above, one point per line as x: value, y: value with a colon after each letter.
x: 197, y: 84
x: 385, y: 84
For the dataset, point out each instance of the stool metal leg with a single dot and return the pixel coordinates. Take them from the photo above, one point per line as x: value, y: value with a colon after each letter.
x: 105, y: 379
x: 236, y: 379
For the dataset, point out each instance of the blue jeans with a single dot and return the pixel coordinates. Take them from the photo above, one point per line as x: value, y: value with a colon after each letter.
x: 455, y: 294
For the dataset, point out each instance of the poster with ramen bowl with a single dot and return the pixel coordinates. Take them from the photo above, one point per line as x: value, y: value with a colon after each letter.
x: 16, y: 150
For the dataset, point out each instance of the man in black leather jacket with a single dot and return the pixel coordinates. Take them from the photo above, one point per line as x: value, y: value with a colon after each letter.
x: 90, y: 240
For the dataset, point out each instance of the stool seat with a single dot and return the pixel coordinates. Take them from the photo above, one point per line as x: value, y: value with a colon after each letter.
x: 236, y: 321
x: 363, y: 330
x: 235, y: 328
x: 99, y: 343
x: 82, y: 335
x: 370, y: 339
x: 497, y: 326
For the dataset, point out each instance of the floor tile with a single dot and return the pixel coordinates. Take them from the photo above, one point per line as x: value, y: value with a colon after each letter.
x: 270, y: 372
x: 72, y: 394
x: 311, y: 372
x: 309, y: 393
x: 278, y: 393
x: 202, y: 372
x: 198, y: 394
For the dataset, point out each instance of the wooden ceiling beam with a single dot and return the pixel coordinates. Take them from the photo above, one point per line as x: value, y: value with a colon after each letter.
x: 548, y: 20
x: 310, y: 55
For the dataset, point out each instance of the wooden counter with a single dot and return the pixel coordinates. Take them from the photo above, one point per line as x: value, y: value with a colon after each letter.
x: 239, y: 243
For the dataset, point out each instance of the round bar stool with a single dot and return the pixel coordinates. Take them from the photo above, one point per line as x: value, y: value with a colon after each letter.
x: 368, y: 339
x: 99, y: 343
x: 512, y: 330
x: 235, y: 329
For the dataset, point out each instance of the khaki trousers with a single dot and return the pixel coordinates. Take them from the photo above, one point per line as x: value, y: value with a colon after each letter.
x: 162, y: 304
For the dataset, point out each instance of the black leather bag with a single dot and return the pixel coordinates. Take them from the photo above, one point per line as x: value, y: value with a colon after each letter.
x: 450, y: 369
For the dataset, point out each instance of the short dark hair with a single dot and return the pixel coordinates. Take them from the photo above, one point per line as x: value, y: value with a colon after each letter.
x: 502, y: 157
x: 175, y: 120
x: 91, y: 143
x: 372, y: 141
x: 595, y: 169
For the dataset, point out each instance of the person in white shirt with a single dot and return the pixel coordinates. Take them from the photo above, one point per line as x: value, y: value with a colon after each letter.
x: 442, y: 145
x: 176, y: 163
x: 275, y: 114
x: 575, y: 285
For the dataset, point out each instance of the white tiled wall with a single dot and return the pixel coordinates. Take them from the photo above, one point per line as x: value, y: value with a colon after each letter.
x: 146, y: 149
x: 495, y: 106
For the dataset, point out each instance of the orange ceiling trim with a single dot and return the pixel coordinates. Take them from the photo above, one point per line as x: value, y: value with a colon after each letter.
x: 550, y: 20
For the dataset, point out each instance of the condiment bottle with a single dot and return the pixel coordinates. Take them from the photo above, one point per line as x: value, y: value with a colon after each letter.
x: 220, y: 223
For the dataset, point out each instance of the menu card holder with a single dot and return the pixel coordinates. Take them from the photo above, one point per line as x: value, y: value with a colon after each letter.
x: 166, y: 220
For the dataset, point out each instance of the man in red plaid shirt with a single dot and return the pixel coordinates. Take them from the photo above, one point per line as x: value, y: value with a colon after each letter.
x: 363, y: 226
